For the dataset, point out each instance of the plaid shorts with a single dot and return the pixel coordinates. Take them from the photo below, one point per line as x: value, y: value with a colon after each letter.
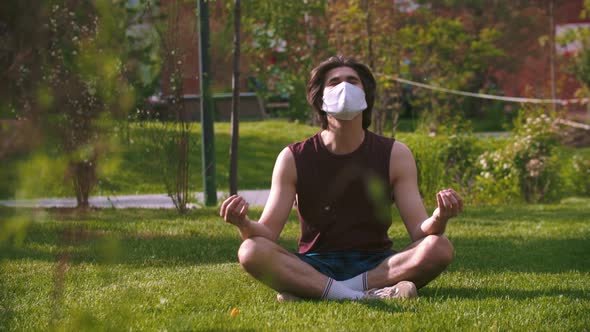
x: 342, y: 265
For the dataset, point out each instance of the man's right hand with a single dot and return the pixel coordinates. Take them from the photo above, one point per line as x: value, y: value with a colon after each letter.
x: 234, y: 210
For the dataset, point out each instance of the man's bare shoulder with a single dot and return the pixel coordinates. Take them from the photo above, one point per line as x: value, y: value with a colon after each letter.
x: 286, y: 155
x: 401, y: 163
x: 400, y: 151
x: 285, y: 168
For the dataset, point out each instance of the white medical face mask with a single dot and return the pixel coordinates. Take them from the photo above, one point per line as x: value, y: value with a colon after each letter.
x: 344, y: 101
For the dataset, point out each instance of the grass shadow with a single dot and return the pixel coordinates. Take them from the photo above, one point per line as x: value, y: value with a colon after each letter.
x: 388, y: 306
x: 153, y: 251
x: 496, y: 293
x: 493, y: 215
x: 521, y: 255
x: 393, y: 306
x: 131, y: 237
x: 7, y: 300
x: 162, y: 237
x: 135, y: 237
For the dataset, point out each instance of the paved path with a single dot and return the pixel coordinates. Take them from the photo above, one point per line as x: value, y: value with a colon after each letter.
x: 154, y: 201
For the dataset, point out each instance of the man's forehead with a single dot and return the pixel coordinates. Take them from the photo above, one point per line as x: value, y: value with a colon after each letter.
x: 341, y: 72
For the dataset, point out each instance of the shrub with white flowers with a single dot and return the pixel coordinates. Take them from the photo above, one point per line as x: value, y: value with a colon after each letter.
x: 526, y: 167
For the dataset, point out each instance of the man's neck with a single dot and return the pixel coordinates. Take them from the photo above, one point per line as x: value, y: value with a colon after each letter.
x: 343, y: 137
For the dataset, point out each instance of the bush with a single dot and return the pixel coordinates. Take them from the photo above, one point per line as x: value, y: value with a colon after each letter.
x: 527, y: 167
x: 496, y: 181
x: 576, y: 175
x: 530, y: 166
x: 459, y: 152
x: 427, y: 154
x: 447, y: 160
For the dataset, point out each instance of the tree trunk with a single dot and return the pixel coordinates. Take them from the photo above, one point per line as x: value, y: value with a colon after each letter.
x: 552, y: 53
x: 235, y: 110
x: 377, y: 111
x: 84, y: 177
x: 207, y: 114
x: 398, y: 90
x: 183, y: 169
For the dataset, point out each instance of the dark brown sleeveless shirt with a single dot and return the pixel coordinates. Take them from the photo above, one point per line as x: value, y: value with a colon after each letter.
x: 343, y: 201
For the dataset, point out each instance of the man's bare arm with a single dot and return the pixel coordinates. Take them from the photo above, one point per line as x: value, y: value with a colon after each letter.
x: 404, y: 181
x: 276, y: 211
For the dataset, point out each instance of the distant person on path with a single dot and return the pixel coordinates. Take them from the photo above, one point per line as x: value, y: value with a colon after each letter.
x: 344, y: 180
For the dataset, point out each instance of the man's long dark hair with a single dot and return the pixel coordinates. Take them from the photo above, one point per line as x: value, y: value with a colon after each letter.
x: 315, y: 87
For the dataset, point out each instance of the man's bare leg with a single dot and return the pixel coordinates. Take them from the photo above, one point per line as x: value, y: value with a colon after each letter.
x: 280, y: 269
x: 421, y: 262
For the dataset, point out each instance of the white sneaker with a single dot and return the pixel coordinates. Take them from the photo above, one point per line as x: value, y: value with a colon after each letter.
x: 401, y: 290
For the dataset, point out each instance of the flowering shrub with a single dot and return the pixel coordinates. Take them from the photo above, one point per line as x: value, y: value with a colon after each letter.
x: 496, y: 181
x: 536, y: 137
x: 526, y: 167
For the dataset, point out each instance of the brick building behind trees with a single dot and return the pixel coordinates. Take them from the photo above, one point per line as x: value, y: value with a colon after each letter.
x: 534, y: 72
x: 182, y: 36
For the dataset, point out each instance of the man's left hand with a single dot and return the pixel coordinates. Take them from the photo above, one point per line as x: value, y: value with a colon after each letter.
x: 449, y: 205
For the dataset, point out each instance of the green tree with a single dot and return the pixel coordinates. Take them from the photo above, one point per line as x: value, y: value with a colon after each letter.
x: 67, y: 71
x: 578, y: 63
x: 170, y: 127
x: 443, y: 53
x: 286, y: 39
x: 369, y: 31
x: 525, y: 31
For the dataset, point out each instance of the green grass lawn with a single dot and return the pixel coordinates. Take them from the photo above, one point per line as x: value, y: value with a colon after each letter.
x: 516, y: 268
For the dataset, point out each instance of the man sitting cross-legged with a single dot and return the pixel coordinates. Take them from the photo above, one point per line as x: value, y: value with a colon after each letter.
x: 343, y: 181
